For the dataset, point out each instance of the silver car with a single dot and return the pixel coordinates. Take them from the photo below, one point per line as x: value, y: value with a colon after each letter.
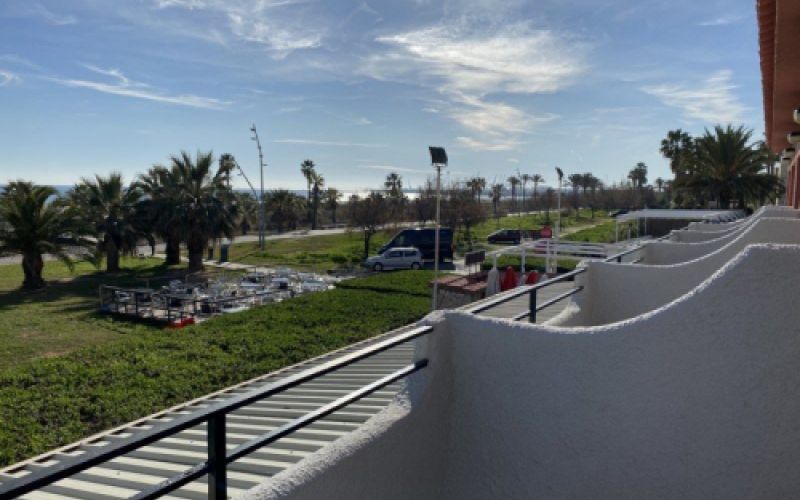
x: 396, y: 258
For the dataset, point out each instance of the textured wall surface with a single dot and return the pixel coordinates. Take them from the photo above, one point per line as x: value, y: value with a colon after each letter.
x: 696, y: 400
x: 763, y: 230
x: 614, y: 292
x: 705, y: 232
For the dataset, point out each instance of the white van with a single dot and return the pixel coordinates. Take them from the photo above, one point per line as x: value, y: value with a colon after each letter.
x: 396, y: 258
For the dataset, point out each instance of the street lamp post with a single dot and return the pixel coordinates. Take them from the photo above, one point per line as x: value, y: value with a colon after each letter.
x: 558, y: 220
x: 438, y: 160
x: 262, y: 215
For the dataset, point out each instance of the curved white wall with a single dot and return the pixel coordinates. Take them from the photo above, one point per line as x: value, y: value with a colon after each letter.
x: 695, y: 401
x: 701, y: 232
x: 614, y: 292
x: 763, y: 230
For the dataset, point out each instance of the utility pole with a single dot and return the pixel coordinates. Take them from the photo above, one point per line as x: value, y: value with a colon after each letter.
x: 262, y: 209
x: 438, y: 160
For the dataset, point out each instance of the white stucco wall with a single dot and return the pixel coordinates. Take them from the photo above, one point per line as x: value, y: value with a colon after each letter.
x: 614, y: 292
x: 697, y: 400
x: 700, y: 232
x: 763, y: 230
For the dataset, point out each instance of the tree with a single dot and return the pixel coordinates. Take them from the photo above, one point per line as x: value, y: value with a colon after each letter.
x: 317, y: 183
x: 284, y: 209
x: 677, y: 148
x: 332, y: 197
x: 536, y: 179
x: 395, y: 197
x: 205, y: 204
x: 307, y: 169
x: 476, y: 186
x: 112, y: 209
x: 576, y: 180
x: 33, y: 223
x: 369, y: 214
x: 497, y: 195
x: 514, y: 182
x: 524, y: 179
x: 425, y: 203
x: 463, y: 209
x: 549, y: 195
x: 729, y: 167
x: 160, y: 207
x: 638, y: 178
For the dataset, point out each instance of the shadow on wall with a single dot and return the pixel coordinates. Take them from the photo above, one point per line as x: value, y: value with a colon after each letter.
x: 697, y: 400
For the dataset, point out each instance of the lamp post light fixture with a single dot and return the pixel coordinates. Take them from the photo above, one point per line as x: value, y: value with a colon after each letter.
x: 262, y: 209
x: 438, y: 160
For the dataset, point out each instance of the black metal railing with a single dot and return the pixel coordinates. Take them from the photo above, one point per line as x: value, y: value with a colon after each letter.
x: 532, y: 290
x: 215, y: 415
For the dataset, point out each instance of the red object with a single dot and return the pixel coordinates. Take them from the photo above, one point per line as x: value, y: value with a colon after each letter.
x: 533, y: 278
x: 510, y: 279
x: 546, y: 232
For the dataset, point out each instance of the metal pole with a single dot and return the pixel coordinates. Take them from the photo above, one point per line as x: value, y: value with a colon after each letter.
x: 558, y: 228
x: 217, y: 480
x: 436, y: 237
x: 532, y: 306
x: 262, y: 216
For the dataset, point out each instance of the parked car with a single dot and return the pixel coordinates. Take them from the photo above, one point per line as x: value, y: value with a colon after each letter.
x: 396, y: 258
x: 513, y: 236
x: 424, y: 240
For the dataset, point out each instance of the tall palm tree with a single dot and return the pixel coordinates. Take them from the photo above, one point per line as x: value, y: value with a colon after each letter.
x: 317, y: 183
x: 332, y: 197
x: 476, y: 186
x: 395, y: 198
x: 307, y: 169
x: 638, y: 178
x: 536, y: 179
x: 497, y: 195
x: 524, y: 180
x: 576, y: 180
x: 160, y: 187
x: 514, y: 182
x: 32, y: 223
x: 729, y: 166
x: 207, y: 207
x: 113, y: 210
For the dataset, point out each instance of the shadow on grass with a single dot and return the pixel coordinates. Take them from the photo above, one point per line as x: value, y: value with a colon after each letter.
x: 85, y: 287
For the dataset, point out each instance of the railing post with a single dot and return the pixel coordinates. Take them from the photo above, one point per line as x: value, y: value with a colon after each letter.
x: 217, y: 480
x: 532, y: 306
x: 619, y: 259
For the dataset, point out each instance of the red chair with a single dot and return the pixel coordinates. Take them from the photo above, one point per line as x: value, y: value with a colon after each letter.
x: 510, y: 279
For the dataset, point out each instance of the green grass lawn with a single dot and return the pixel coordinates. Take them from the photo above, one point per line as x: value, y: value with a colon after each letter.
x: 68, y: 372
x: 602, y: 233
x: 62, y: 317
x: 314, y: 253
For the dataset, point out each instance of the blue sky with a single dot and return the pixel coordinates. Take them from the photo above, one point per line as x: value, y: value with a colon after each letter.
x: 363, y: 87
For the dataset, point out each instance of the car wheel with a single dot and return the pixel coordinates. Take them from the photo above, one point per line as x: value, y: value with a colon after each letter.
x: 377, y: 267
x: 415, y: 266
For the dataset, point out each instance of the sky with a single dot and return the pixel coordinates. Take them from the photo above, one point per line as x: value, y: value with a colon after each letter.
x: 363, y: 87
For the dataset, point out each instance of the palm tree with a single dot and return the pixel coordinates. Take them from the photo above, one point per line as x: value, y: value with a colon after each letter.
x: 497, y: 195
x: 576, y: 180
x: 476, y: 186
x: 536, y: 179
x: 34, y: 225
x: 525, y: 179
x: 317, y: 183
x: 677, y: 147
x: 160, y: 189
x: 395, y: 197
x: 729, y: 167
x: 284, y: 208
x: 113, y: 210
x: 332, y: 197
x: 514, y: 182
x: 638, y: 178
x: 307, y: 169
x: 206, y: 206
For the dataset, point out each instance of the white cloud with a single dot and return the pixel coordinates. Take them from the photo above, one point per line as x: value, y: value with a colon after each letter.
x: 466, y: 62
x: 315, y: 142
x: 124, y: 86
x: 8, y: 78
x: 269, y: 24
x: 478, y: 145
x: 722, y: 20
x: 51, y: 17
x: 713, y: 101
x: 393, y: 168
